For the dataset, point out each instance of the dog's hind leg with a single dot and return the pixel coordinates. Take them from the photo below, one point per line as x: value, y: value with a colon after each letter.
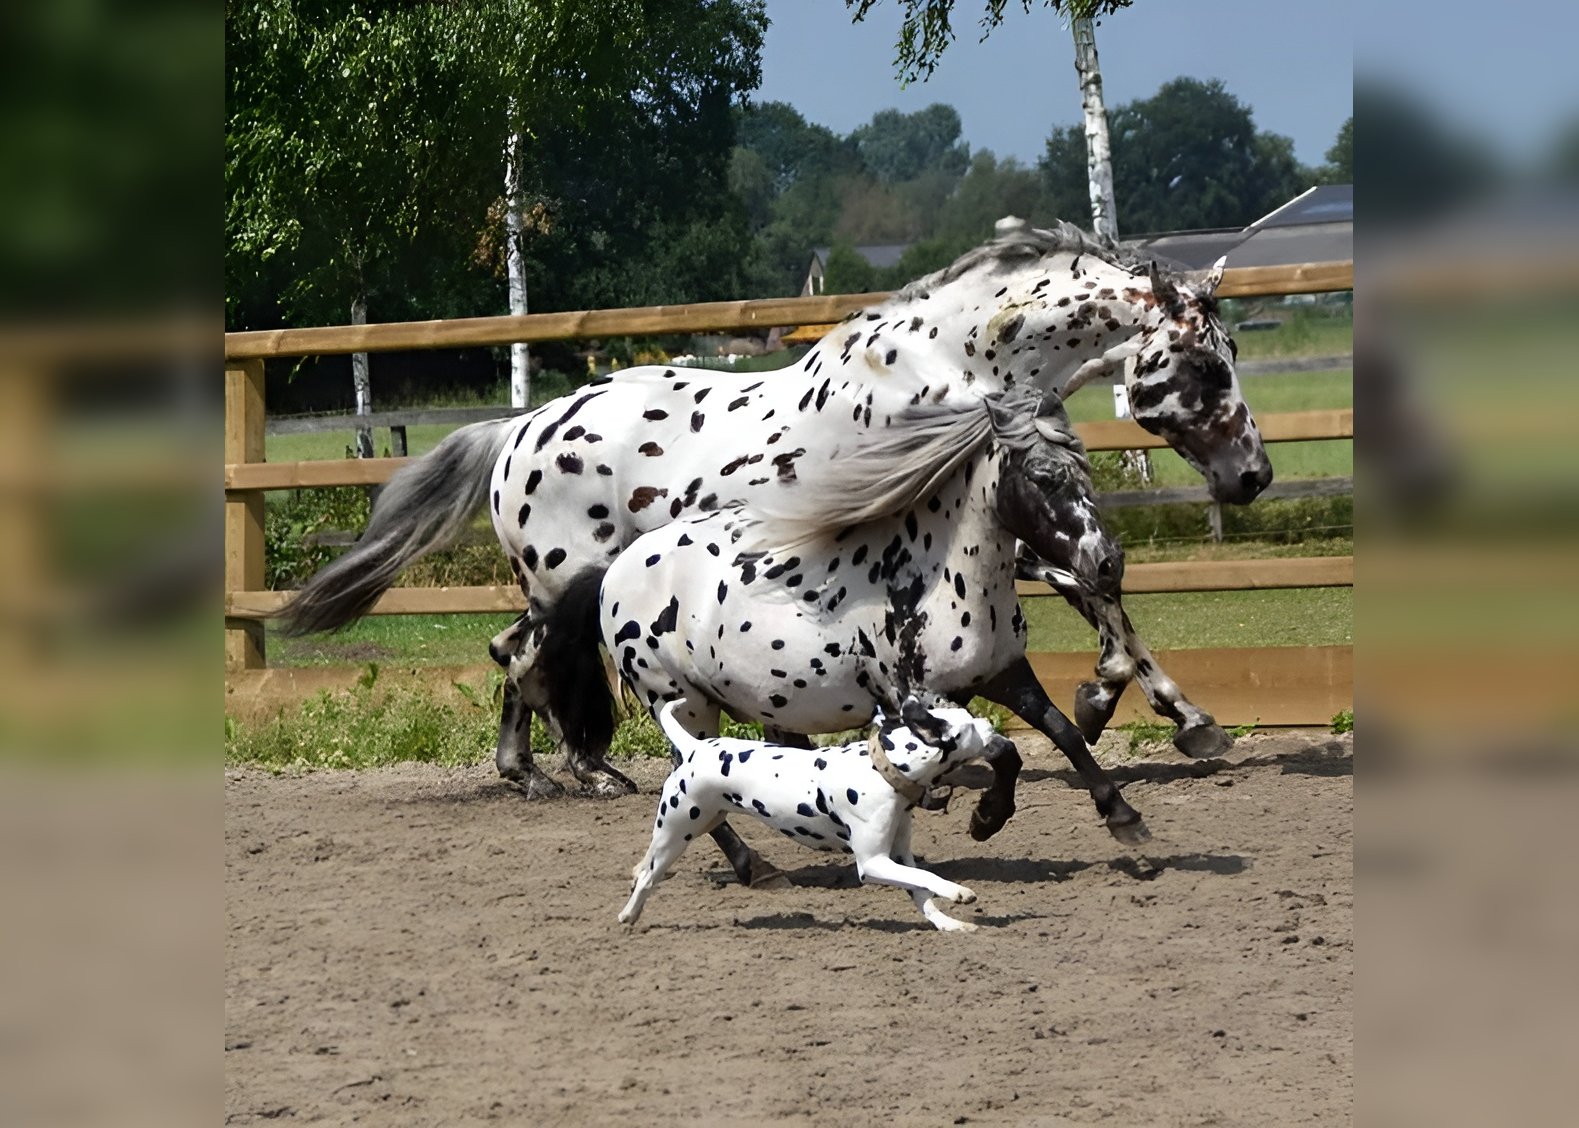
x: 925, y: 902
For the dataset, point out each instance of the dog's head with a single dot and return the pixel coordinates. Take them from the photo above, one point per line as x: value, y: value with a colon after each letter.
x: 923, y: 743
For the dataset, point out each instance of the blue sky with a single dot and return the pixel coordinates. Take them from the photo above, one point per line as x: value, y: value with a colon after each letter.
x: 1293, y: 64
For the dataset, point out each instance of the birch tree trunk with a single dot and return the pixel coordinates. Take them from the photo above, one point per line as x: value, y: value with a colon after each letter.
x: 1099, y: 156
x: 515, y: 267
x: 361, y: 383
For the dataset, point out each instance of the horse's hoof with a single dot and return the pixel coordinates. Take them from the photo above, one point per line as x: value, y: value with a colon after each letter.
x: 1202, y: 742
x: 1131, y: 834
x: 1091, y: 718
x: 986, y: 821
x: 542, y: 787
x: 767, y: 876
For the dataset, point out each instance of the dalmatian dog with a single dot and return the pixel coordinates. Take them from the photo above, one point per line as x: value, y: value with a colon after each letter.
x: 856, y: 798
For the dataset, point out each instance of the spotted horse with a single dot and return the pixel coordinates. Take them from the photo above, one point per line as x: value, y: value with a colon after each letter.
x: 717, y: 611
x: 572, y: 484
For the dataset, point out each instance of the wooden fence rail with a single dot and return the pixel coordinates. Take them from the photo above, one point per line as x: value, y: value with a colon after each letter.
x: 248, y: 475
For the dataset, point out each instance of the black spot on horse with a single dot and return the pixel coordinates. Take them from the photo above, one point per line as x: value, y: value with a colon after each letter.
x: 778, y: 644
x: 603, y: 532
x: 555, y: 557
x: 631, y: 629
x: 569, y: 463
x: 598, y: 512
x: 667, y: 618
x: 778, y: 699
x: 529, y: 557
x: 651, y: 450
x: 655, y: 413
x: 723, y: 590
x: 524, y: 512
x: 697, y: 419
x: 741, y: 402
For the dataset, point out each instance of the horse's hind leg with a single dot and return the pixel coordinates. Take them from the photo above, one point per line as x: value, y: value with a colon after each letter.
x: 513, y: 756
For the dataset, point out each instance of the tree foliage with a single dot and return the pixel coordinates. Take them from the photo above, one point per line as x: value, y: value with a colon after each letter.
x: 365, y: 151
x: 1187, y: 157
x: 927, y: 28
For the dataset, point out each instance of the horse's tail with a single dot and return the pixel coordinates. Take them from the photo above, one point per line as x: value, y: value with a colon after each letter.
x: 577, y: 683
x: 425, y: 506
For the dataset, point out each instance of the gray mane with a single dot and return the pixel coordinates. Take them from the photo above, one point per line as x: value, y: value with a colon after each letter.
x: 1027, y: 245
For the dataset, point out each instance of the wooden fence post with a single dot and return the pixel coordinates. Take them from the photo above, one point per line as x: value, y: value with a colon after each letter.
x: 244, y: 509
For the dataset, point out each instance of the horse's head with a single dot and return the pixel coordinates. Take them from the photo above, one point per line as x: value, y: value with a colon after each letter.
x: 1045, y: 497
x: 1183, y: 388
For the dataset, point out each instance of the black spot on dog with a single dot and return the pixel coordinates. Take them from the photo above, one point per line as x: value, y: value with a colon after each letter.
x: 655, y: 414
x: 532, y: 480
x: 654, y: 558
x: 555, y: 557
x: 697, y: 419
x: 778, y: 644
x: 778, y: 699
x: 529, y: 557
x: 569, y: 463
x: 597, y: 512
x: 651, y: 450
x: 741, y: 402
x: 521, y: 516
x: 603, y: 532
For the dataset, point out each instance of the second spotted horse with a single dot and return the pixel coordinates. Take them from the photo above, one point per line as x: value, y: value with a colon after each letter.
x: 813, y: 631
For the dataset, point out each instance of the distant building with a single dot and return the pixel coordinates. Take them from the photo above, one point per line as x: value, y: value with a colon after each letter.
x: 879, y: 255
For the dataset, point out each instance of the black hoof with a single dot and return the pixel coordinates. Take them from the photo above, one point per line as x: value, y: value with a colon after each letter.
x: 765, y: 875
x: 989, y: 816
x: 1203, y: 741
x: 1091, y: 718
x: 1131, y: 833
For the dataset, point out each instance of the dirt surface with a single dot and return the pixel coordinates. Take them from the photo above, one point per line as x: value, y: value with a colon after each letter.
x: 422, y: 946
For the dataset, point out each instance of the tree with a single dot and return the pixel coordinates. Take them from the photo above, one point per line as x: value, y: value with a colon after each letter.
x: 366, y: 144
x: 1339, y: 168
x: 927, y: 28
x: 897, y: 147
x: 1188, y: 157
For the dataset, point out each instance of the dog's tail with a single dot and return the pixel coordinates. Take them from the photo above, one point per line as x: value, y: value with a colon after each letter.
x: 577, y: 684
x: 674, y: 730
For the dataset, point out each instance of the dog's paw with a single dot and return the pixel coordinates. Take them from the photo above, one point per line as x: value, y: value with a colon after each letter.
x: 964, y: 896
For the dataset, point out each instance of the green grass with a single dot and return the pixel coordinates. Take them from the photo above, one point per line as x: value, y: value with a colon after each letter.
x: 1303, y: 333
x: 1198, y: 620
x: 404, y: 640
x: 367, y: 727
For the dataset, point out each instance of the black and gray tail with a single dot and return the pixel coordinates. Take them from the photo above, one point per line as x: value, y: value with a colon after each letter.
x: 578, y: 686
x: 425, y: 506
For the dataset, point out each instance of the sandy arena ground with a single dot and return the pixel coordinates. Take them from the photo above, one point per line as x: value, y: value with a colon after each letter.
x: 419, y: 946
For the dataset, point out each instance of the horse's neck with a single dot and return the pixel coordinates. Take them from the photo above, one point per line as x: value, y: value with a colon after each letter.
x: 973, y: 540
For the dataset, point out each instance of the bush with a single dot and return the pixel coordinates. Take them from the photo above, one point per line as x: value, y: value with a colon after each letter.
x: 289, y: 518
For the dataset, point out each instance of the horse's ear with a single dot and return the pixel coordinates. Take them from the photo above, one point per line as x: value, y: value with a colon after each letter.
x: 1162, y: 286
x: 1053, y: 433
x: 1214, y: 277
x: 1000, y: 413
x: 915, y: 714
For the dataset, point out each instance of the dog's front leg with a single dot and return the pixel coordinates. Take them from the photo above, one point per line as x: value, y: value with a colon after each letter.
x: 925, y: 902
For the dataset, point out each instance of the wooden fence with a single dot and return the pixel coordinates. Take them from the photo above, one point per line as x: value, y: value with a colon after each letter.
x: 1284, y: 685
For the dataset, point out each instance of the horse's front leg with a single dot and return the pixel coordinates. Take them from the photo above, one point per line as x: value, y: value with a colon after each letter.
x: 1017, y: 688
x: 1095, y: 701
x: 1199, y: 735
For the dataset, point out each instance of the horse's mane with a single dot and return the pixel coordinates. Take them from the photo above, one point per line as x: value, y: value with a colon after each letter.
x: 1022, y: 246
x: 886, y: 472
